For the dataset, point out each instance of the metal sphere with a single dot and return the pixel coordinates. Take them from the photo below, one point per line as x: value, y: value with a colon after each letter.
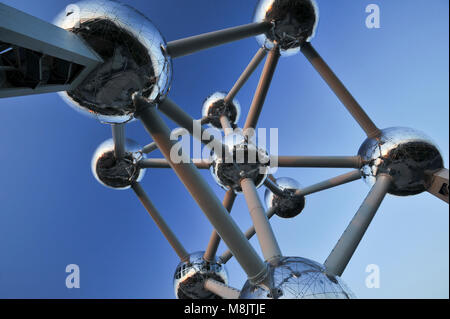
x: 289, y: 205
x: 298, y: 278
x: 243, y: 160
x: 294, y: 22
x: 113, y: 173
x: 403, y: 153
x: 214, y: 107
x: 190, y: 277
x: 134, y: 59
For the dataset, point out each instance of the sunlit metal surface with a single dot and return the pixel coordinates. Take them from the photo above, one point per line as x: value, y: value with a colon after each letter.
x: 134, y: 59
x: 214, y: 107
x: 244, y: 160
x: 289, y: 205
x: 298, y: 278
x: 190, y: 277
x: 405, y: 154
x: 117, y: 174
x: 294, y: 22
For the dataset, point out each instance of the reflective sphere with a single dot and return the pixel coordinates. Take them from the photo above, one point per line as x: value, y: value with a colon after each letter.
x: 403, y: 153
x: 190, y: 277
x: 243, y: 160
x: 113, y: 173
x: 289, y: 205
x: 214, y: 107
x: 298, y: 278
x: 134, y: 59
x: 294, y: 22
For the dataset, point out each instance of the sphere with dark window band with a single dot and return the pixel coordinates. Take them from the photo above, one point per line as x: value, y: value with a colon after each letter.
x: 214, y: 107
x: 134, y: 59
x: 289, y: 205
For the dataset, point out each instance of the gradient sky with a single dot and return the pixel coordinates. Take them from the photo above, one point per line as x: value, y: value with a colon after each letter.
x: 54, y: 213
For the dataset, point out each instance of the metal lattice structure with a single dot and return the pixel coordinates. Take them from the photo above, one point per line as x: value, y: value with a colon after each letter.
x: 112, y: 63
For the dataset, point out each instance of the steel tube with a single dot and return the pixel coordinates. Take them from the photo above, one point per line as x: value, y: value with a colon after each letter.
x: 221, y: 290
x: 182, y: 47
x: 264, y: 231
x: 320, y: 161
x: 340, y: 90
x: 254, y: 63
x: 339, y: 258
x: 214, y: 241
x: 330, y: 183
x: 118, y: 134
x: 160, y: 222
x: 163, y: 163
x: 226, y: 256
x: 247, y: 257
x: 262, y: 89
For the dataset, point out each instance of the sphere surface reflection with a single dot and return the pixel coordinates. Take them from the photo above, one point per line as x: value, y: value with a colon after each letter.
x: 190, y: 277
x: 134, y: 59
x: 113, y: 173
x: 298, y: 278
x: 214, y: 107
x: 294, y: 22
x: 403, y: 153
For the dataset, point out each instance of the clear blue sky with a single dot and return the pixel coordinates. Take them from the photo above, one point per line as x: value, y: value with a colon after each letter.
x: 54, y: 213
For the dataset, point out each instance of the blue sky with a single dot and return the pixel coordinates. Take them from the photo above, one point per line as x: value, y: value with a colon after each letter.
x: 54, y: 213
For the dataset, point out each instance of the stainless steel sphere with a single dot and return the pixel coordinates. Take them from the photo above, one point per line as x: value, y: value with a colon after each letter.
x: 190, y: 277
x: 113, y: 173
x: 403, y: 153
x: 134, y: 59
x: 298, y: 278
x: 289, y: 205
x: 214, y: 107
x: 243, y: 160
x: 294, y: 22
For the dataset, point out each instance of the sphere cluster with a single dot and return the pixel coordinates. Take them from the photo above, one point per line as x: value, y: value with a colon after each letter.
x: 190, y: 277
x: 403, y: 153
x: 133, y: 56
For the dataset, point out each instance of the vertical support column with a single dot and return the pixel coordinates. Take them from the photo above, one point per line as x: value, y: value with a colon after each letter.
x: 350, y: 239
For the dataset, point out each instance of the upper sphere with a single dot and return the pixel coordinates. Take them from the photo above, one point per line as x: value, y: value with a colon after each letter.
x: 134, y: 59
x: 403, y: 153
x: 294, y: 22
x: 298, y: 278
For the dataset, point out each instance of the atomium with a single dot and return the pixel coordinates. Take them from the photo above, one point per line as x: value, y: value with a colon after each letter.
x: 131, y: 78
x: 241, y: 159
x: 215, y: 107
x: 288, y: 205
x: 403, y: 153
x: 117, y: 173
x: 294, y: 22
x: 190, y: 277
x: 298, y: 278
x: 134, y: 59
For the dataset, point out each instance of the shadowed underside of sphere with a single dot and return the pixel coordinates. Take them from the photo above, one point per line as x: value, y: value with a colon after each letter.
x: 132, y: 51
x: 298, y: 278
x: 244, y: 160
x: 406, y: 155
x: 289, y: 205
x: 190, y: 277
x: 294, y: 22
x: 214, y: 107
x: 117, y: 173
